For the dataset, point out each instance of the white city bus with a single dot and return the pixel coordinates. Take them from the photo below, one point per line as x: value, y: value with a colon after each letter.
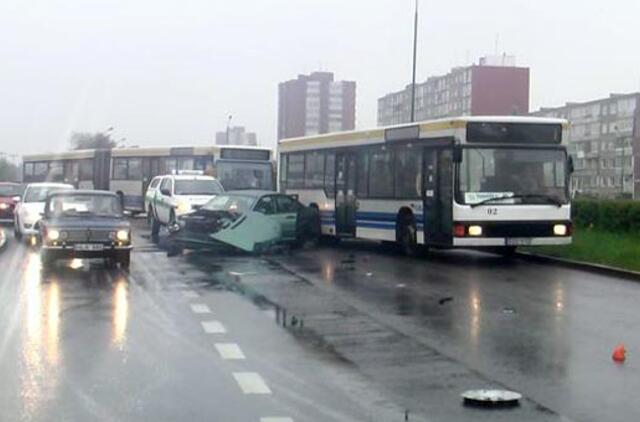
x: 497, y: 182
x: 128, y: 171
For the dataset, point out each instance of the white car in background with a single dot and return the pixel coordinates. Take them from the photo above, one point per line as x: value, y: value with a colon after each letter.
x: 30, y: 208
x: 171, y: 196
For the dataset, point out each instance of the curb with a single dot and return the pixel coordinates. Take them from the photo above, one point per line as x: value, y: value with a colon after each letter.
x: 579, y: 265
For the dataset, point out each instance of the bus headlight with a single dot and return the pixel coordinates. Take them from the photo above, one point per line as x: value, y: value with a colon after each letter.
x: 53, y: 234
x: 122, y: 235
x: 560, y: 229
x: 475, y: 230
x: 4, y: 206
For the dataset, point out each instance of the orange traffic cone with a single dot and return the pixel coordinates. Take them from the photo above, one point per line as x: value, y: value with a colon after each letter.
x: 619, y: 353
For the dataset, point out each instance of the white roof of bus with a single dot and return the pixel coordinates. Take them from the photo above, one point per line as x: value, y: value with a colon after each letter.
x: 425, y: 127
x: 137, y: 152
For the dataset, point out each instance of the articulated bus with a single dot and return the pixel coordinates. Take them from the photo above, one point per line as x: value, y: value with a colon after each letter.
x: 128, y: 171
x: 474, y: 182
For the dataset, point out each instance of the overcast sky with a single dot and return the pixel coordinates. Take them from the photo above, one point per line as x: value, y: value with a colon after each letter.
x: 169, y: 72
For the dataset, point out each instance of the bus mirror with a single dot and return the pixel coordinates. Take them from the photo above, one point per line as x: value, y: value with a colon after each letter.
x: 570, y: 164
x: 457, y: 154
x: 165, y: 192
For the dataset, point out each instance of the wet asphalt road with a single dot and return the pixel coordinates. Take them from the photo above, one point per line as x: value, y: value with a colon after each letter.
x: 165, y: 342
x: 347, y: 333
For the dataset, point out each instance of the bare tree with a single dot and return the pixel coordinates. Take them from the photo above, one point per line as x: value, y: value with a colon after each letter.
x: 85, y: 140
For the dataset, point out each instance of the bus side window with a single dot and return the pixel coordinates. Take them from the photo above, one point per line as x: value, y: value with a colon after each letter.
x: 284, y: 159
x: 362, y: 171
x: 329, y: 174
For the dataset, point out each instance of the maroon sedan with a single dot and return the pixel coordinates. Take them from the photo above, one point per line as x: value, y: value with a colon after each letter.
x: 9, y: 195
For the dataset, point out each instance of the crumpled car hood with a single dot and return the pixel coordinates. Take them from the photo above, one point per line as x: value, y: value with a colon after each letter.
x: 249, y: 231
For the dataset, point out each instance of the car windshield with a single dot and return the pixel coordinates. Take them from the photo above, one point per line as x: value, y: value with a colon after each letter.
x: 39, y: 193
x: 509, y: 175
x: 198, y: 187
x: 9, y: 190
x: 231, y: 203
x: 83, y: 204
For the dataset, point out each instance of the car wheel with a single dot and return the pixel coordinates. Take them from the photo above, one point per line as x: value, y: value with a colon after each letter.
x: 16, y: 229
x: 507, y: 251
x: 125, y: 260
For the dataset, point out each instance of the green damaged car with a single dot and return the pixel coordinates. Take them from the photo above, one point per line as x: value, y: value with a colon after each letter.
x: 250, y: 221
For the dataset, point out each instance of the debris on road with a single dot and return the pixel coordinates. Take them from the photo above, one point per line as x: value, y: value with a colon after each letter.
x: 491, y: 398
x: 619, y: 353
x: 445, y: 300
x: 508, y: 311
x: 369, y: 274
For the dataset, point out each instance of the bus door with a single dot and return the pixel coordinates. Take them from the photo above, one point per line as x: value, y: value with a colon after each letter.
x: 346, y: 201
x: 150, y: 169
x: 438, y: 195
x: 102, y: 169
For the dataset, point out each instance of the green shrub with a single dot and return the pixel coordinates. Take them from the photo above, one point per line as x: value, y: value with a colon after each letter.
x: 609, y: 215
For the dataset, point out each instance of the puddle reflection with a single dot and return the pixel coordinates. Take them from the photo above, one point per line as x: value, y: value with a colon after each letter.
x: 68, y: 293
x: 120, y: 312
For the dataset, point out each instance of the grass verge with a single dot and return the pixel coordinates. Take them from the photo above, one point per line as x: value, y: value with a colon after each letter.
x: 621, y: 250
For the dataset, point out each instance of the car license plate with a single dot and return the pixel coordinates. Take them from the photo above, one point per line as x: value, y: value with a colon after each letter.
x: 84, y: 247
x: 518, y: 241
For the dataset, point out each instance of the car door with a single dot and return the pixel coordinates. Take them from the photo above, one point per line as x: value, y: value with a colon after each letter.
x: 163, y: 200
x: 287, y: 210
x: 151, y: 192
x: 267, y: 205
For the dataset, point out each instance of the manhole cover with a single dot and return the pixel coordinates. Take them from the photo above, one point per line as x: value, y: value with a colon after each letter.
x: 491, y: 397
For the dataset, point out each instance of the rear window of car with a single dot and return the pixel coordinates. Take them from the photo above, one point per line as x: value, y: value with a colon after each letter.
x: 197, y: 187
x: 39, y: 193
x: 10, y: 190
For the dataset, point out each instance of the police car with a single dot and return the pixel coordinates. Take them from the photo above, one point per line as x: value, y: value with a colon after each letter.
x: 172, y: 195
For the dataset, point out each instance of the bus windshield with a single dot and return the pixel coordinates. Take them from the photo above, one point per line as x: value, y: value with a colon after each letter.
x: 512, y: 176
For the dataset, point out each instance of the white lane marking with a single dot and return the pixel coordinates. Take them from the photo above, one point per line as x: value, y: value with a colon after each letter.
x: 251, y: 383
x: 213, y: 327
x: 199, y: 308
x: 275, y: 419
x: 190, y: 294
x: 229, y: 351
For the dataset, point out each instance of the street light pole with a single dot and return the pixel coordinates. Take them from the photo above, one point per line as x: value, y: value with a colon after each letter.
x: 415, y: 54
x: 228, y: 127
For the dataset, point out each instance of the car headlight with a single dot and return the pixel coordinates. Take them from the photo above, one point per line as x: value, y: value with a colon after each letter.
x: 183, y: 207
x: 4, y: 206
x: 122, y: 235
x: 53, y: 234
